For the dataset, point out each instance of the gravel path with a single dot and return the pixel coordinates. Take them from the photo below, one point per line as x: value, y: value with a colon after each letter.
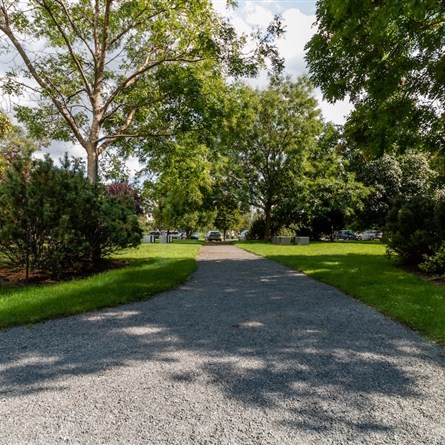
x: 247, y: 352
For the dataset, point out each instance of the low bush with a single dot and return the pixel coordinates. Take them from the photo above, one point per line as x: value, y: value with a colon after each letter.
x: 435, y: 264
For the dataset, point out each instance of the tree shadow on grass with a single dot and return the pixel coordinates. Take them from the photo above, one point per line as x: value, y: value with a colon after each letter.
x: 265, y: 336
x: 139, y: 281
x: 405, y: 296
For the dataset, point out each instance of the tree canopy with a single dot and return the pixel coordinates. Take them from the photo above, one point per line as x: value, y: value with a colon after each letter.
x: 108, y: 71
x: 180, y: 186
x: 272, y: 134
x: 387, y: 57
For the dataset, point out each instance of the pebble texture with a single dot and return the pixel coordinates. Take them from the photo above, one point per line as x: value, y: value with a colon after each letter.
x: 247, y: 352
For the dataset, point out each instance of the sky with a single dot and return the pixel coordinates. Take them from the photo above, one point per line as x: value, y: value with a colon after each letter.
x: 299, y: 19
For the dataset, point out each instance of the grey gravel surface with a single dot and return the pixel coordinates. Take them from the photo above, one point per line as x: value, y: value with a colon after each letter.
x: 247, y: 352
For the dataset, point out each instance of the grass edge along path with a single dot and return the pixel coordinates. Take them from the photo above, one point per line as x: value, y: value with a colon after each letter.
x: 152, y: 268
x: 361, y: 270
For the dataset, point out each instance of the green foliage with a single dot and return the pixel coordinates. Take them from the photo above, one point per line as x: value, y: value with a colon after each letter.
x: 121, y: 72
x: 377, y: 127
x: 227, y: 196
x: 258, y: 226
x: 228, y: 215
x: 384, y: 178
x: 283, y: 159
x: 183, y: 183
x: 387, y: 57
x: 435, y: 264
x: 15, y: 145
x: 327, y: 194
x: 256, y: 229
x: 285, y: 231
x: 391, y: 178
x: 415, y: 228
x: 334, y: 195
x: 53, y: 220
x: 5, y: 125
x: 273, y: 131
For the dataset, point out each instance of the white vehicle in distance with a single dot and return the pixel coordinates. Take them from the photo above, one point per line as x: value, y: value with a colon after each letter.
x: 369, y: 235
x: 213, y: 235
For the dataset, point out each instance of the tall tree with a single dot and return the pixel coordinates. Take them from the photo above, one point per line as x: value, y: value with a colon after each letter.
x: 333, y: 195
x: 391, y: 179
x: 384, y: 178
x: 108, y: 71
x: 387, y: 57
x: 275, y: 130
x: 180, y: 186
x: 226, y: 199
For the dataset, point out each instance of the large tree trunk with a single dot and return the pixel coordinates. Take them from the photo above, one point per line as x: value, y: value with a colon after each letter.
x: 268, y: 216
x: 92, y: 164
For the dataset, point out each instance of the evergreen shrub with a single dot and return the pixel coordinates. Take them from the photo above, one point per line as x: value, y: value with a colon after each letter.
x: 54, y: 221
x: 415, y: 229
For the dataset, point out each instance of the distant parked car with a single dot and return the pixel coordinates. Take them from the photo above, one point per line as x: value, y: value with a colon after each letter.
x: 369, y: 235
x: 345, y: 235
x: 213, y: 235
x: 194, y: 235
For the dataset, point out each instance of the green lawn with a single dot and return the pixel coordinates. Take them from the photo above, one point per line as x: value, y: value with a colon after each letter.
x: 152, y: 268
x: 362, y: 270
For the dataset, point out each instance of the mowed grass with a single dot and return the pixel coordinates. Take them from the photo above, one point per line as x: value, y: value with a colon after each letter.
x: 362, y: 270
x: 152, y: 268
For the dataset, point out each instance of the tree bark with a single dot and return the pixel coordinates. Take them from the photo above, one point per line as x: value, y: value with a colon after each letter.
x: 92, y: 164
x: 268, y: 216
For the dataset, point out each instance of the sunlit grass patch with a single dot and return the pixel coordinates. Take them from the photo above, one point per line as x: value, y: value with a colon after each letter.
x: 152, y: 268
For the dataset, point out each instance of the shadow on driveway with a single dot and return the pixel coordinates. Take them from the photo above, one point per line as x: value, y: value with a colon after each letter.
x: 262, y: 335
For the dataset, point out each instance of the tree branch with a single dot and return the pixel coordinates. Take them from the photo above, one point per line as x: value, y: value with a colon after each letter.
x: 43, y: 84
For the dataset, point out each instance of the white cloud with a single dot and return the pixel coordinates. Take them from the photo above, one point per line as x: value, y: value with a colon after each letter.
x: 299, y: 30
x: 335, y: 113
x: 299, y: 18
x: 57, y: 151
x: 257, y: 15
x: 220, y: 7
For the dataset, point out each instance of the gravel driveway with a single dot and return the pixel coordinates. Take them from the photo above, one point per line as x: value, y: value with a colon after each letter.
x: 247, y: 352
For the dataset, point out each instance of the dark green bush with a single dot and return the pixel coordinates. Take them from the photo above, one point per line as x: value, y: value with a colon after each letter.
x: 256, y: 230
x: 435, y: 264
x: 415, y: 228
x: 53, y: 220
x: 257, y: 227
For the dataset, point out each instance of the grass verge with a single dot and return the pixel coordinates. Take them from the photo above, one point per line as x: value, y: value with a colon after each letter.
x: 152, y: 268
x: 361, y: 270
